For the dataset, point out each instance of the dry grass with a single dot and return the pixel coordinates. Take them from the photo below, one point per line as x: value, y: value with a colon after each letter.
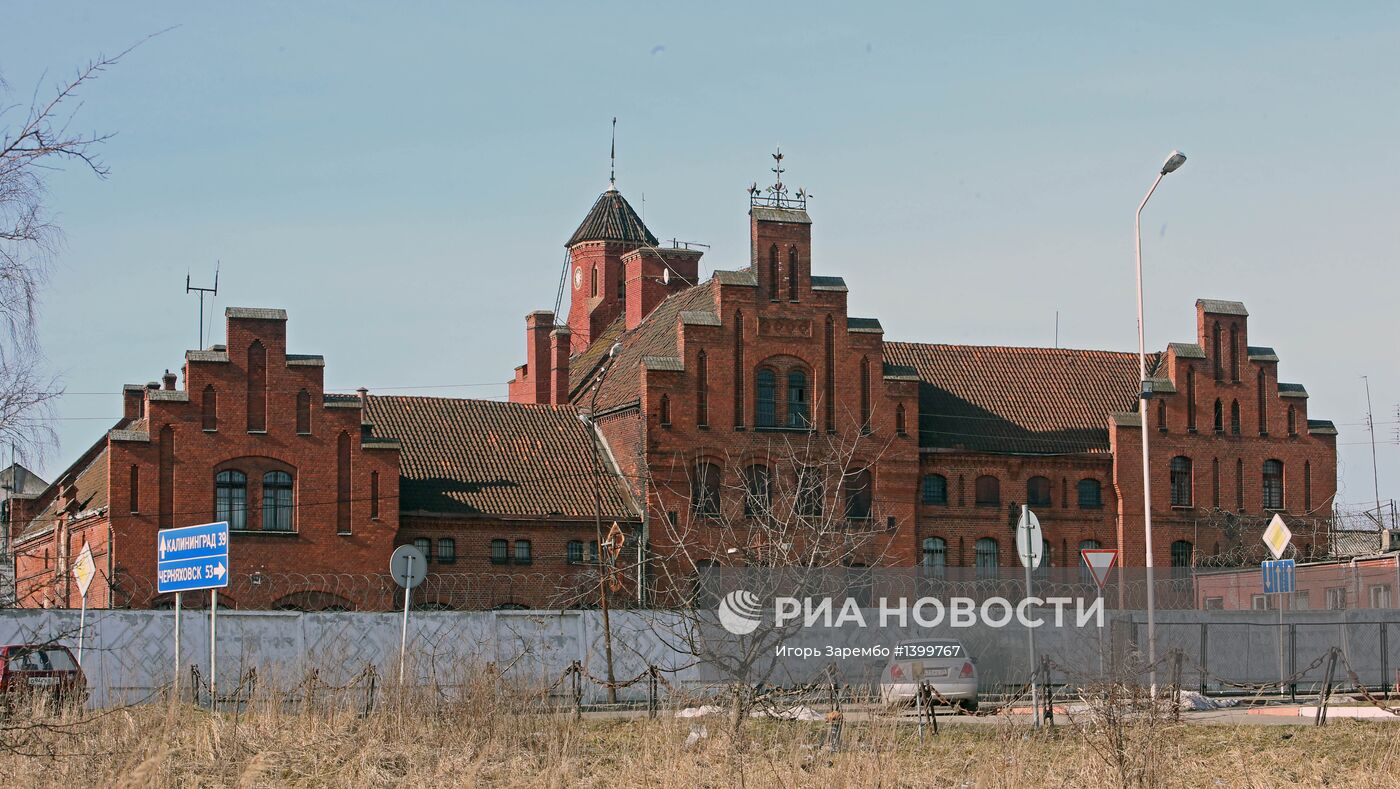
x: 493, y: 740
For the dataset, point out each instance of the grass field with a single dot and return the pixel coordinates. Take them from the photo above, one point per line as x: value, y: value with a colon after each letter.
x: 495, y: 742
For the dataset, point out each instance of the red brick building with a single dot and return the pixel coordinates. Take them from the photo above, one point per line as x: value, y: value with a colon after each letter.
x: 719, y: 404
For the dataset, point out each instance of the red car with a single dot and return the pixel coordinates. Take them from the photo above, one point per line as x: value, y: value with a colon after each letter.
x: 29, y: 670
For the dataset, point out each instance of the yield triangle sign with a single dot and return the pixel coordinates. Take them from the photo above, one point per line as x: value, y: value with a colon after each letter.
x: 1100, y: 562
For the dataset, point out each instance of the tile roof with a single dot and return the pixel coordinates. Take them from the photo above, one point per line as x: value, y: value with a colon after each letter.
x: 655, y: 337
x: 1220, y: 307
x: 484, y: 457
x: 612, y: 219
x: 89, y: 476
x: 1018, y: 400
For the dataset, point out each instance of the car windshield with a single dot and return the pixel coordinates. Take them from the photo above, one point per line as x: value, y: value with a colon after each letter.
x: 945, y: 648
x: 40, y: 660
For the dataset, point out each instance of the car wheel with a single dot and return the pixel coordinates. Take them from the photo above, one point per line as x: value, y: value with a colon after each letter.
x: 968, y: 705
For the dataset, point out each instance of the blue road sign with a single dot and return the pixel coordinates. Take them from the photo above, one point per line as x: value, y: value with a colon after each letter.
x: 1278, y: 576
x: 192, y: 557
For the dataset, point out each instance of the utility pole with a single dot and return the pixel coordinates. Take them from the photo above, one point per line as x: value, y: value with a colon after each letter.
x: 214, y: 291
x: 598, y: 520
x: 1371, y: 426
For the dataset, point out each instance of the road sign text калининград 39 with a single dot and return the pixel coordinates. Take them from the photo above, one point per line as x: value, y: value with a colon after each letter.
x: 192, y: 557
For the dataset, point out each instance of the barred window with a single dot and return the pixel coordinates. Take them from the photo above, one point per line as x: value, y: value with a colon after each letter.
x: 573, y: 552
x: 1273, y: 485
x: 1086, y: 576
x: 426, y: 546
x: 766, y: 398
x: 1181, y: 481
x: 1219, y: 416
x: 758, y: 491
x: 1182, y: 552
x: 987, y: 559
x: 810, y: 492
x: 935, y: 560
x: 858, y: 495
x: 1090, y: 494
x: 500, y: 552
x: 935, y: 489
x: 446, y: 551
x: 523, y: 553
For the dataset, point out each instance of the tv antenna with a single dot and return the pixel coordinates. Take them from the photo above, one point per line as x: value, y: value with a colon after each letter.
x: 214, y: 291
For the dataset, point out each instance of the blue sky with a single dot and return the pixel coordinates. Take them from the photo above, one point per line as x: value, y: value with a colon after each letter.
x: 402, y: 179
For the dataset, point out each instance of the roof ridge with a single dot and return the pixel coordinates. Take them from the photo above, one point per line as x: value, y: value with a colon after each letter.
x: 1014, y: 347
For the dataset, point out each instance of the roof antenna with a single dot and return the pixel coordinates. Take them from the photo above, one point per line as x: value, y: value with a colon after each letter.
x: 214, y: 291
x: 612, y: 159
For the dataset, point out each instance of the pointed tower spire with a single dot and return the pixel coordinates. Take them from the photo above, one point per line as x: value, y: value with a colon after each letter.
x: 612, y: 159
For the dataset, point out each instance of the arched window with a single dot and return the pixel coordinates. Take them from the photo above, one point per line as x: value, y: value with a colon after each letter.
x: 231, y: 499
x: 765, y: 398
x: 702, y: 390
x: 622, y: 288
x: 1263, y: 406
x: 773, y: 273
x: 988, y: 491
x: 704, y: 489
x: 798, y: 400
x: 1162, y: 415
x: 1234, y: 417
x: 257, y: 388
x: 1273, y: 484
x: 792, y: 273
x: 593, y: 282
x: 986, y: 558
x: 1292, y: 421
x: 303, y: 412
x: 1182, y: 553
x: 665, y: 411
x: 1235, y: 353
x: 210, y: 406
x: 166, y: 481
x: 900, y: 426
x: 859, y: 494
x: 1216, y: 352
x: 935, y: 560
x: 1038, y: 492
x: 1307, y: 486
x: 134, y: 488
x: 865, y: 394
x: 1090, y: 494
x: 1219, y: 416
x: 1181, y: 481
x: 1086, y: 576
x: 277, y: 501
x: 935, y: 489
x: 758, y: 491
x: 374, y: 495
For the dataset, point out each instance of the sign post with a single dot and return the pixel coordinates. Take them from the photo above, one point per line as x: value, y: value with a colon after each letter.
x: 83, y: 571
x: 1100, y: 562
x: 409, y: 567
x: 1030, y: 547
x: 194, y: 558
x: 1278, y: 578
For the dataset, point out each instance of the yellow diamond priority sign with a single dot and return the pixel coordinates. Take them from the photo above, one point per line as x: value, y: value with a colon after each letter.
x: 1277, y: 536
x: 84, y: 569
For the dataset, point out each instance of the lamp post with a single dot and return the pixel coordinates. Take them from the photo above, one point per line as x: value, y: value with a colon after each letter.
x: 1174, y: 161
x: 598, y: 519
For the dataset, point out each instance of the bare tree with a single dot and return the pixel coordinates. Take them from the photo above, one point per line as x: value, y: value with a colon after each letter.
x: 793, y: 514
x: 35, y: 139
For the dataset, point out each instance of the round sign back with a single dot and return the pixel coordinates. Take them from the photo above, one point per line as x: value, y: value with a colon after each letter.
x: 408, y: 566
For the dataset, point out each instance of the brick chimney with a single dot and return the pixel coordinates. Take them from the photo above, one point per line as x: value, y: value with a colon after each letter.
x: 169, y: 381
x: 133, y: 401
x: 653, y: 274
x: 559, y: 345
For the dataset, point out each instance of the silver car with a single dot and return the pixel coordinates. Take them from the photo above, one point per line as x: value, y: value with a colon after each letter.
x: 942, y: 663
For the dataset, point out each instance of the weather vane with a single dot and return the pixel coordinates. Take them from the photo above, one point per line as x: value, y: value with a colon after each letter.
x: 776, y: 196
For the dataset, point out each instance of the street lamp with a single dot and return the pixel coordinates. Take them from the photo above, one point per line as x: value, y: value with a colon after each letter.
x: 1173, y: 162
x: 598, y: 518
